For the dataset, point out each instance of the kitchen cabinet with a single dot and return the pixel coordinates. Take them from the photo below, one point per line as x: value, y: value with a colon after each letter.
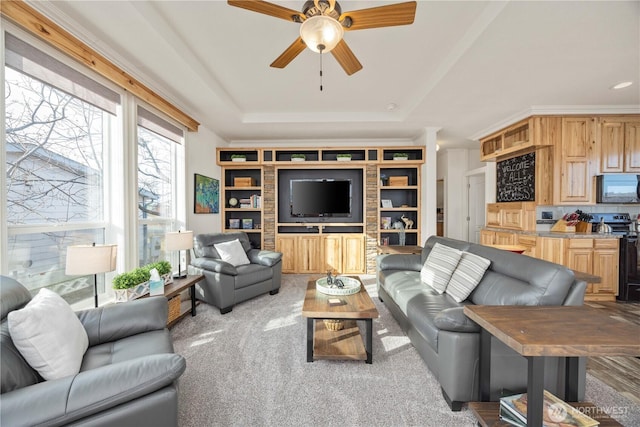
x: 619, y: 145
x: 606, y: 264
x: 505, y: 238
x: 574, y: 161
x: 533, y: 133
x: 597, y: 256
x: 529, y: 242
x: 512, y: 215
x: 487, y: 237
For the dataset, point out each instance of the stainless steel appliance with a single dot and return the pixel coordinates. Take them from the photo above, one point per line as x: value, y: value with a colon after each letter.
x: 629, y: 270
x: 618, y: 188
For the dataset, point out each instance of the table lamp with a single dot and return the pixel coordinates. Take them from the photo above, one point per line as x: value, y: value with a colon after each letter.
x: 177, y: 241
x: 91, y: 259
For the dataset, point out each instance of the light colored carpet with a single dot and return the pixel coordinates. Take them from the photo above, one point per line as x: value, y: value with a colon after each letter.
x: 248, y: 368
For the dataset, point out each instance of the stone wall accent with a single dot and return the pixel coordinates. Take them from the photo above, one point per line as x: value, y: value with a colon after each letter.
x: 269, y: 208
x: 371, y: 217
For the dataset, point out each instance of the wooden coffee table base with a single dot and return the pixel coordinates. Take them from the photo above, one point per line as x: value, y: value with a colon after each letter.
x: 346, y: 343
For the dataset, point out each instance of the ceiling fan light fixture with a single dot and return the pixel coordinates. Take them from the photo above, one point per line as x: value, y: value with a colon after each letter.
x: 321, y: 33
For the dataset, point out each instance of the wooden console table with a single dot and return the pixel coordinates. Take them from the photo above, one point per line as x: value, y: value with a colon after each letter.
x: 536, y: 332
x: 174, y: 289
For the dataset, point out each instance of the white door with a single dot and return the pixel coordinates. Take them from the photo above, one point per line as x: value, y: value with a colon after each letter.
x: 476, y: 204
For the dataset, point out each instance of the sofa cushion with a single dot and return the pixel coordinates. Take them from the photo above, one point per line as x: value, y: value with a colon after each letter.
x: 454, y: 320
x: 439, y: 266
x: 422, y: 310
x: 251, y: 274
x: 232, y: 252
x: 49, y: 335
x: 467, y: 275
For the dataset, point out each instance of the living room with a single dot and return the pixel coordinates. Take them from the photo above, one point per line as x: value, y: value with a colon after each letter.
x: 222, y: 95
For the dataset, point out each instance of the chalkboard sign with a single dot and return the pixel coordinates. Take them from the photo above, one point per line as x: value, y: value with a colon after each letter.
x: 516, y: 179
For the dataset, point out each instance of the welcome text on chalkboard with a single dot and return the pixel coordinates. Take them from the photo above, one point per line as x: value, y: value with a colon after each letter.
x: 516, y: 179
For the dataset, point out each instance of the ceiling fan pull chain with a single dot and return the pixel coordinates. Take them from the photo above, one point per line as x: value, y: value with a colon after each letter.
x: 321, y: 49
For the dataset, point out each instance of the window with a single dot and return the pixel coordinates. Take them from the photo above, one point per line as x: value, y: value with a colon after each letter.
x: 65, y: 151
x: 157, y: 159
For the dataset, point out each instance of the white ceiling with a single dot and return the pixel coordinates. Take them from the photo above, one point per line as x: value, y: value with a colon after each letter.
x: 465, y: 67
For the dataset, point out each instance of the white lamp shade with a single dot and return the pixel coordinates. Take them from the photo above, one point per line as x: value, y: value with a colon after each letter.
x: 88, y: 259
x: 321, y: 30
x: 178, y: 240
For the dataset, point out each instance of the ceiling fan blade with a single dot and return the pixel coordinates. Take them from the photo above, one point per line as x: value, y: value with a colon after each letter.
x: 289, y: 54
x: 268, y: 9
x: 346, y: 58
x: 382, y: 16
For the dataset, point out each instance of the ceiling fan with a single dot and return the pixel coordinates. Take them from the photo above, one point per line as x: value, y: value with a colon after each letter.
x: 323, y: 25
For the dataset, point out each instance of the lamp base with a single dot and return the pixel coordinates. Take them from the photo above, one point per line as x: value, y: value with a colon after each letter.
x: 180, y: 276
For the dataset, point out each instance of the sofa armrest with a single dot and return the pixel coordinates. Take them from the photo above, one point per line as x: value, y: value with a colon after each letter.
x: 116, y: 321
x: 266, y: 258
x: 575, y: 296
x: 399, y: 262
x: 61, y: 401
x: 454, y: 320
x: 215, y: 265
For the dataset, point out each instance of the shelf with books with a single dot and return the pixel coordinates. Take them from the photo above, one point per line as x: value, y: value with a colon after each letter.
x: 242, y: 205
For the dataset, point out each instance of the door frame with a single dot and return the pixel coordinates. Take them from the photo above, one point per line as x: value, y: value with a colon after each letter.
x: 473, y: 173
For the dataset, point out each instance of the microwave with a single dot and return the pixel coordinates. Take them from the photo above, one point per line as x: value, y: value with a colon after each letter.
x: 618, y: 188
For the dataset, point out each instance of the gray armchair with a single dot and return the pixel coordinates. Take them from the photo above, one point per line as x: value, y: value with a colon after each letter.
x: 127, y: 378
x: 226, y: 285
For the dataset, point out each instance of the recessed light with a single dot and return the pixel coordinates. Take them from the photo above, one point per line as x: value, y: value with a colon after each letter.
x: 392, y: 106
x: 622, y: 85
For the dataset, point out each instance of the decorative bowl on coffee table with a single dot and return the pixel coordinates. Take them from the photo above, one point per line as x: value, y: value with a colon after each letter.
x: 351, y: 286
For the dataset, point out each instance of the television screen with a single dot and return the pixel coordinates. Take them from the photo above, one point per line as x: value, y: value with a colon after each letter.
x: 318, y: 198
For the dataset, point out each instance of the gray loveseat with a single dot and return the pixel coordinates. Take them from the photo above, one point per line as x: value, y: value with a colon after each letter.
x: 448, y: 341
x: 128, y: 375
x: 225, y: 285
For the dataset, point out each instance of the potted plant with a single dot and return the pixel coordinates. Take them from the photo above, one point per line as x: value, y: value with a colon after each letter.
x: 400, y: 156
x: 298, y: 157
x: 238, y: 158
x: 343, y: 157
x: 135, y: 283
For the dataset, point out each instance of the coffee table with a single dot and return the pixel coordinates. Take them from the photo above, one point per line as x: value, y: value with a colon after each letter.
x: 346, y: 343
x: 541, y: 331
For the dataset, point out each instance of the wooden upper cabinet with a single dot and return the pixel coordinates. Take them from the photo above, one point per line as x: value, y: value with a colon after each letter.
x: 574, y: 161
x: 619, y: 145
x: 532, y: 133
x: 632, y: 146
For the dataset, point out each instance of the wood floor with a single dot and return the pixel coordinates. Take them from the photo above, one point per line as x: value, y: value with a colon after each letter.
x: 620, y: 373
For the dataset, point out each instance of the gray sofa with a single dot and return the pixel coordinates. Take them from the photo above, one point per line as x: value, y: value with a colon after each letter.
x: 128, y: 375
x: 448, y: 341
x: 225, y: 285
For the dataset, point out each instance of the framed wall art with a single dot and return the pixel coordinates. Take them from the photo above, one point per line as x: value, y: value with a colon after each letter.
x: 207, y: 195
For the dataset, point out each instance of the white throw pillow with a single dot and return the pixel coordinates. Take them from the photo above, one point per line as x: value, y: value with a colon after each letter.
x: 232, y: 252
x: 468, y: 274
x: 49, y: 335
x: 439, y: 266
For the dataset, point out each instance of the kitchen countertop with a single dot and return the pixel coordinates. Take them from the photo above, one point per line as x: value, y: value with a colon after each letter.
x: 559, y: 234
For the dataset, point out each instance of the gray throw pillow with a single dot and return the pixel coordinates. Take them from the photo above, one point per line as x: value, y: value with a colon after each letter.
x: 439, y: 266
x: 467, y: 275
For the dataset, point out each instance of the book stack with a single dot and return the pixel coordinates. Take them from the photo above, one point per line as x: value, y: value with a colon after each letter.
x: 245, y: 203
x: 556, y: 412
x: 256, y: 201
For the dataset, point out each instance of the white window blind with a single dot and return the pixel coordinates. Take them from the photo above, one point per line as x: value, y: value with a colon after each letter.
x: 31, y: 61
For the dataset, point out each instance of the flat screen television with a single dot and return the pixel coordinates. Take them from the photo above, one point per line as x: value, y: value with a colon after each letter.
x: 320, y: 198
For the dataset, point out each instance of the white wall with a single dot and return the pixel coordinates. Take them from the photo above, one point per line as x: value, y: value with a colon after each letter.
x: 200, y: 155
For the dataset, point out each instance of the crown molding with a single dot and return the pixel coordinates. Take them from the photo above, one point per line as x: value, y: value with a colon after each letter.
x: 556, y: 110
